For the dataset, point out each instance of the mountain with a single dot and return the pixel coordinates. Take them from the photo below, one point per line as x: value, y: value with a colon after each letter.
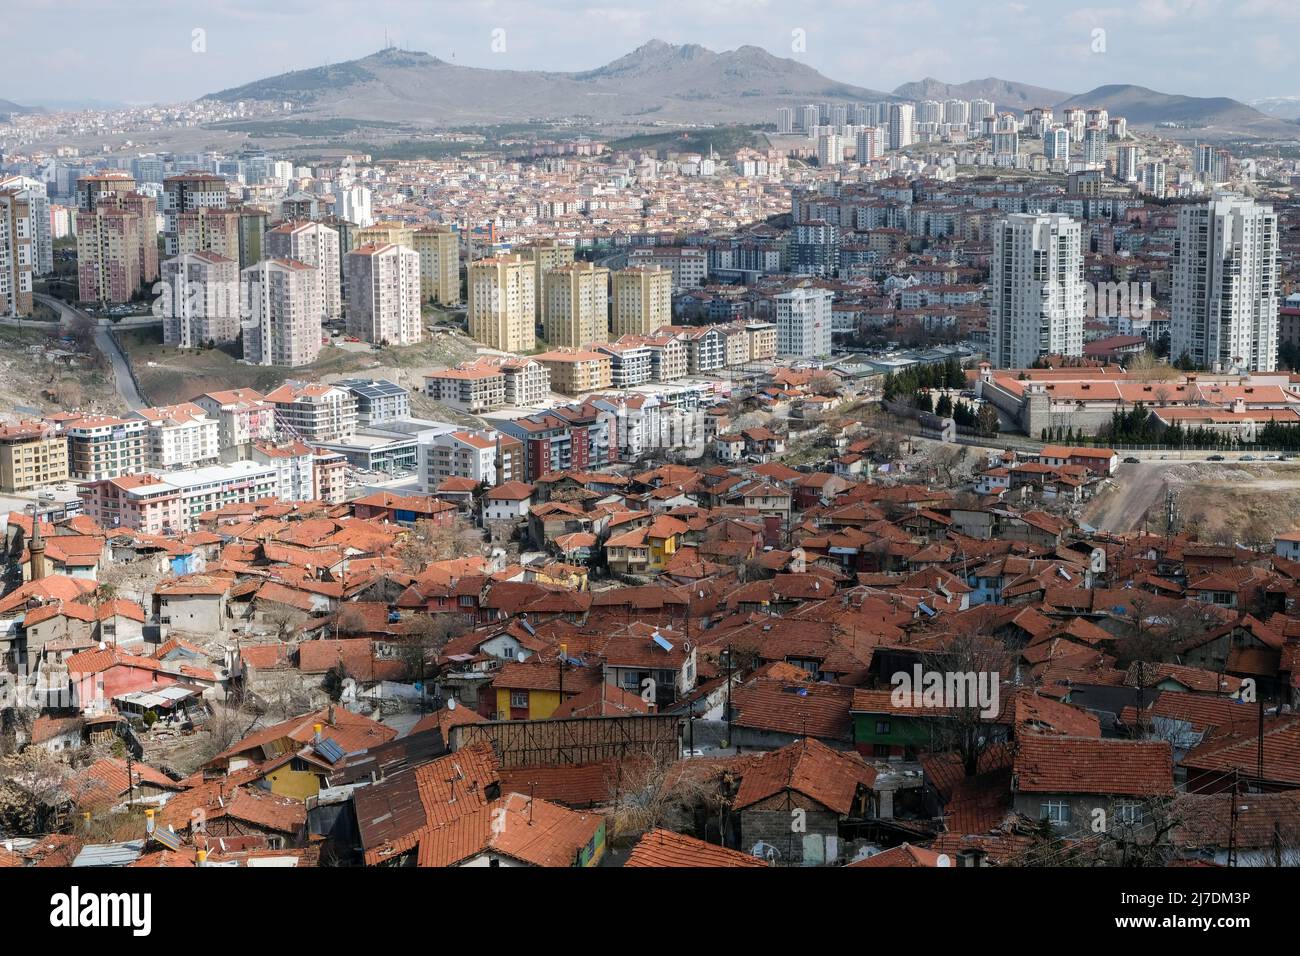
x: 1005, y: 94
x: 1146, y: 107
x: 1282, y: 107
x: 656, y: 82
x: 9, y: 107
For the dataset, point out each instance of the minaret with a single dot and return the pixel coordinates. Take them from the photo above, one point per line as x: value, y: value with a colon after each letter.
x: 500, y: 462
x: 36, y: 547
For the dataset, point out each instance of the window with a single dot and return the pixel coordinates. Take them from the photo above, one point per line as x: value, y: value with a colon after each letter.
x: 1056, y: 812
x: 882, y: 727
x: 519, y: 698
x: 1129, y: 813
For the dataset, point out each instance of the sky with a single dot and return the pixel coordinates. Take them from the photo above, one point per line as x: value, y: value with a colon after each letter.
x: 143, y: 51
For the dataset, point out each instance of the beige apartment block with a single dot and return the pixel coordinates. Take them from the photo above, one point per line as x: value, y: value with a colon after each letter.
x: 32, y: 454
x: 502, y: 293
x: 643, y: 300
x: 577, y: 305
x: 108, y: 254
x: 575, y: 371
x: 386, y: 234
x: 544, y: 257
x: 439, y: 250
x: 208, y: 229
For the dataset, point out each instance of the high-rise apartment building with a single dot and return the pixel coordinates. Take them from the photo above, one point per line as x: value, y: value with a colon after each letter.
x: 1038, y: 297
x: 282, y: 297
x: 201, y: 300
x: 1056, y: 143
x: 384, y: 294
x: 210, y: 229
x: 439, y: 249
x: 643, y: 300
x: 577, y: 305
x: 501, y: 309
x: 108, y: 254
x: 17, y: 253
x: 803, y: 322
x: 317, y: 245
x: 544, y: 256
x: 1224, y: 278
x: 91, y: 189
x: 830, y: 150
x: 902, y: 117
x: 38, y: 199
x: 187, y: 193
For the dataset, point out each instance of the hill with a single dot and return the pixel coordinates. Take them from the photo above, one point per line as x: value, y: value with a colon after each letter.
x: 9, y: 108
x: 1005, y: 94
x: 1147, y: 107
x: 657, y: 82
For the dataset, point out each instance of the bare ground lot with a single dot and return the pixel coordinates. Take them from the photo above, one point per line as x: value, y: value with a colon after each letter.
x: 170, y: 375
x: 1224, y: 502
x: 33, y: 374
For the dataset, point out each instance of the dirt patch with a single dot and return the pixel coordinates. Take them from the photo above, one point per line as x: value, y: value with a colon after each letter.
x: 50, y: 374
x: 169, y: 375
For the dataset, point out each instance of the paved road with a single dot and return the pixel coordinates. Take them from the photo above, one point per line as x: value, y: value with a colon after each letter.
x: 121, y: 367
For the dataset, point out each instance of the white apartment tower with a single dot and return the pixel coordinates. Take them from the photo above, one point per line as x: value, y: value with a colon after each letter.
x: 902, y: 117
x: 1225, y: 297
x: 200, y: 300
x: 317, y: 245
x: 384, y: 294
x: 1037, y: 292
x: 283, y: 324
x: 803, y: 322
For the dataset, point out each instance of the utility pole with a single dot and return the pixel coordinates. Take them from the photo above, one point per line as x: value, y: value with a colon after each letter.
x: 1232, y: 825
x: 730, y: 743
x: 1259, y: 756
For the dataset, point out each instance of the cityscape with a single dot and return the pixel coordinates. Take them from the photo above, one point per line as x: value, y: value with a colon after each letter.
x: 427, y: 458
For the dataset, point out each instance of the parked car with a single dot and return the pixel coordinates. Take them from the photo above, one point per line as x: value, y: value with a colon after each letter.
x: 1130, y: 460
x: 1215, y: 458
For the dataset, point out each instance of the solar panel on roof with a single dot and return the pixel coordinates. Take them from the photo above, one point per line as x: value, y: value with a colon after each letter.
x: 167, y: 838
x: 329, y: 750
x: 661, y: 641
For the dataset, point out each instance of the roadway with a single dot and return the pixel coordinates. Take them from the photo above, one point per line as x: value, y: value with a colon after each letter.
x: 105, y: 342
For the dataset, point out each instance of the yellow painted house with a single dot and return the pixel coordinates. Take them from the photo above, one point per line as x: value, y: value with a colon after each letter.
x: 663, y: 537
x: 531, y: 689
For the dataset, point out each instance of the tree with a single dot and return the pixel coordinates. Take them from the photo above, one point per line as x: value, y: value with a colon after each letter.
x: 656, y: 790
x: 963, y: 728
x: 34, y: 787
x: 824, y: 383
x: 283, y: 619
x: 986, y: 420
x: 431, y: 541
x: 426, y: 635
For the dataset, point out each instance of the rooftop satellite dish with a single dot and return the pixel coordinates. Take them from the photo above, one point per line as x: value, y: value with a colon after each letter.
x: 451, y: 703
x: 521, y: 657
x: 944, y: 860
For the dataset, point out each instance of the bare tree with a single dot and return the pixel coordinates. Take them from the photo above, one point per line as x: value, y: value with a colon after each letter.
x: 964, y: 727
x: 431, y: 541
x: 283, y: 619
x: 648, y: 791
